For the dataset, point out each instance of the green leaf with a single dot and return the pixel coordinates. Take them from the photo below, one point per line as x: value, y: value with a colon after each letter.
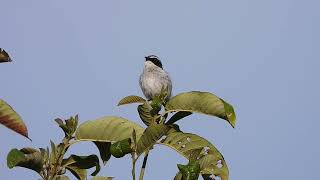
x: 104, y: 149
x: 150, y: 137
x: 196, y: 148
x: 14, y: 157
x: 102, y: 178
x: 4, y: 56
x: 178, y: 177
x: 29, y: 160
x: 62, y: 177
x: 108, y: 129
x: 82, y: 162
x: 28, y: 150
x: 177, y: 116
x: 131, y: 99
x: 121, y: 148
x: 12, y: 120
x: 190, y: 171
x: 211, y: 165
x: 53, y: 154
x: 63, y: 126
x: 202, y: 102
x: 144, y: 111
x: 80, y: 174
x: 72, y: 124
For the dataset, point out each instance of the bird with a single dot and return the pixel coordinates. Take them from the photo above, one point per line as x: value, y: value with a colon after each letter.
x: 154, y: 79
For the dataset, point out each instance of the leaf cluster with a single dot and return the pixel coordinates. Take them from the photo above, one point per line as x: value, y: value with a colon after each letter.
x: 117, y: 137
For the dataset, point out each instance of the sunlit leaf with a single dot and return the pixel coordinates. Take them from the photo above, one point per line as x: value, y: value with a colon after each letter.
x: 4, y: 56
x: 150, y: 137
x: 82, y: 162
x: 202, y: 102
x: 17, y: 158
x: 131, y: 99
x: 196, y: 148
x: 108, y: 129
x: 11, y: 119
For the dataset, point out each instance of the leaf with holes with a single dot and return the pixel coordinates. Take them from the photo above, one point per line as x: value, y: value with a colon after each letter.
x: 196, y: 148
x: 150, y: 137
x: 108, y: 129
x: 12, y: 120
x: 202, y: 102
x: 131, y: 99
x: 26, y: 158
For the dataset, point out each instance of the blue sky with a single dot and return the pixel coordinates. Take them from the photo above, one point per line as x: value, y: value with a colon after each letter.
x: 81, y: 57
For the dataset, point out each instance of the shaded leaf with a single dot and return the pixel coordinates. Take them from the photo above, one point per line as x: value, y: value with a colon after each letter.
x: 131, y: 99
x: 63, y: 126
x: 102, y: 178
x: 80, y: 174
x: 150, y: 137
x: 28, y: 150
x: 202, y: 102
x: 82, y: 162
x: 4, y: 56
x: 104, y: 149
x: 144, y: 111
x: 196, y: 148
x: 11, y: 119
x: 108, y: 129
x: 31, y: 161
x: 121, y: 148
x: 177, y: 116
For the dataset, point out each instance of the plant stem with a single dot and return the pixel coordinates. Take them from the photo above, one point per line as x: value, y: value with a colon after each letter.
x: 57, y: 165
x: 133, y: 166
x: 144, y: 165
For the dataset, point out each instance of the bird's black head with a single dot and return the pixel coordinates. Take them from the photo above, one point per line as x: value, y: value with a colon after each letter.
x: 155, y: 60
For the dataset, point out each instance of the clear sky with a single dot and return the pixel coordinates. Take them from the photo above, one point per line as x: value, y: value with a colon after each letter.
x: 80, y: 57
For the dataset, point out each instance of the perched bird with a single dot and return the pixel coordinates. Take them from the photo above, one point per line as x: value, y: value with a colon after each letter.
x: 154, y: 79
